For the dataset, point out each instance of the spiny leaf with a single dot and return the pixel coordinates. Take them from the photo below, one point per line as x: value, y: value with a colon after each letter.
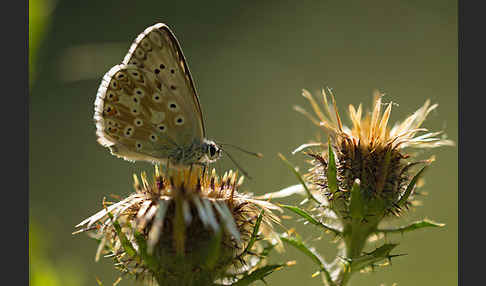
x: 299, y: 177
x: 410, y: 187
x: 331, y: 169
x: 301, y: 213
x: 312, y: 254
x: 259, y: 274
x: 127, y: 245
x: 368, y: 259
x: 412, y: 226
x: 311, y: 219
x: 302, y: 247
x: 254, y: 234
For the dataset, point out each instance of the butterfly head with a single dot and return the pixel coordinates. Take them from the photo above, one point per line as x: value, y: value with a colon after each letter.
x: 212, y: 151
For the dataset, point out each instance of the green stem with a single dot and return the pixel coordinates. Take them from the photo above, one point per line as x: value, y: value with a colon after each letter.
x: 355, y: 235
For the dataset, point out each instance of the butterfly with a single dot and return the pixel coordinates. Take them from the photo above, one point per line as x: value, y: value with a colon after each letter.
x: 147, y: 107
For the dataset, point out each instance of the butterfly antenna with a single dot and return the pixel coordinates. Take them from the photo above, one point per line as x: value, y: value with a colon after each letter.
x: 256, y: 154
x: 237, y: 165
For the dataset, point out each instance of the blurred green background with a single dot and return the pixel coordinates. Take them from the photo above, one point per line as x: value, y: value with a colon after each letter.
x: 250, y: 60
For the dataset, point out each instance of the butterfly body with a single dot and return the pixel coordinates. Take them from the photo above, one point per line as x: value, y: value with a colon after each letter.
x: 147, y: 108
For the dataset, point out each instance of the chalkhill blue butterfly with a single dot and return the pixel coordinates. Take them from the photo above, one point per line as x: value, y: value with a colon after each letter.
x: 147, y: 107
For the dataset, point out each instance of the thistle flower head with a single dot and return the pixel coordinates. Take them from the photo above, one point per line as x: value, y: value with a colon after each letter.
x: 189, y: 227
x: 361, y: 176
x: 369, y: 153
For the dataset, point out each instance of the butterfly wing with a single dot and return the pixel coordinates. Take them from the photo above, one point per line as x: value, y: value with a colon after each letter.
x: 148, y: 105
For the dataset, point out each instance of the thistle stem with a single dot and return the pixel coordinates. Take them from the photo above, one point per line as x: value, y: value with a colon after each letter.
x: 355, y: 235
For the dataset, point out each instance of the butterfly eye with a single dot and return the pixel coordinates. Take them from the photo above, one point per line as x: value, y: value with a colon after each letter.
x: 212, y: 150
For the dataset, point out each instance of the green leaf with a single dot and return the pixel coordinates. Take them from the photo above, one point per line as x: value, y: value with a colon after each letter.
x: 410, y: 187
x: 254, y: 234
x: 377, y: 255
x: 331, y: 169
x: 299, y: 177
x: 301, y: 213
x: 357, y: 204
x: 259, y: 274
x: 413, y: 226
x: 127, y: 245
x: 312, y: 254
x: 311, y: 219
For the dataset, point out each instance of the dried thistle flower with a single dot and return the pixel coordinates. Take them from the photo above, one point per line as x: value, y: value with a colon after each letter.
x: 361, y: 176
x: 187, y: 227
